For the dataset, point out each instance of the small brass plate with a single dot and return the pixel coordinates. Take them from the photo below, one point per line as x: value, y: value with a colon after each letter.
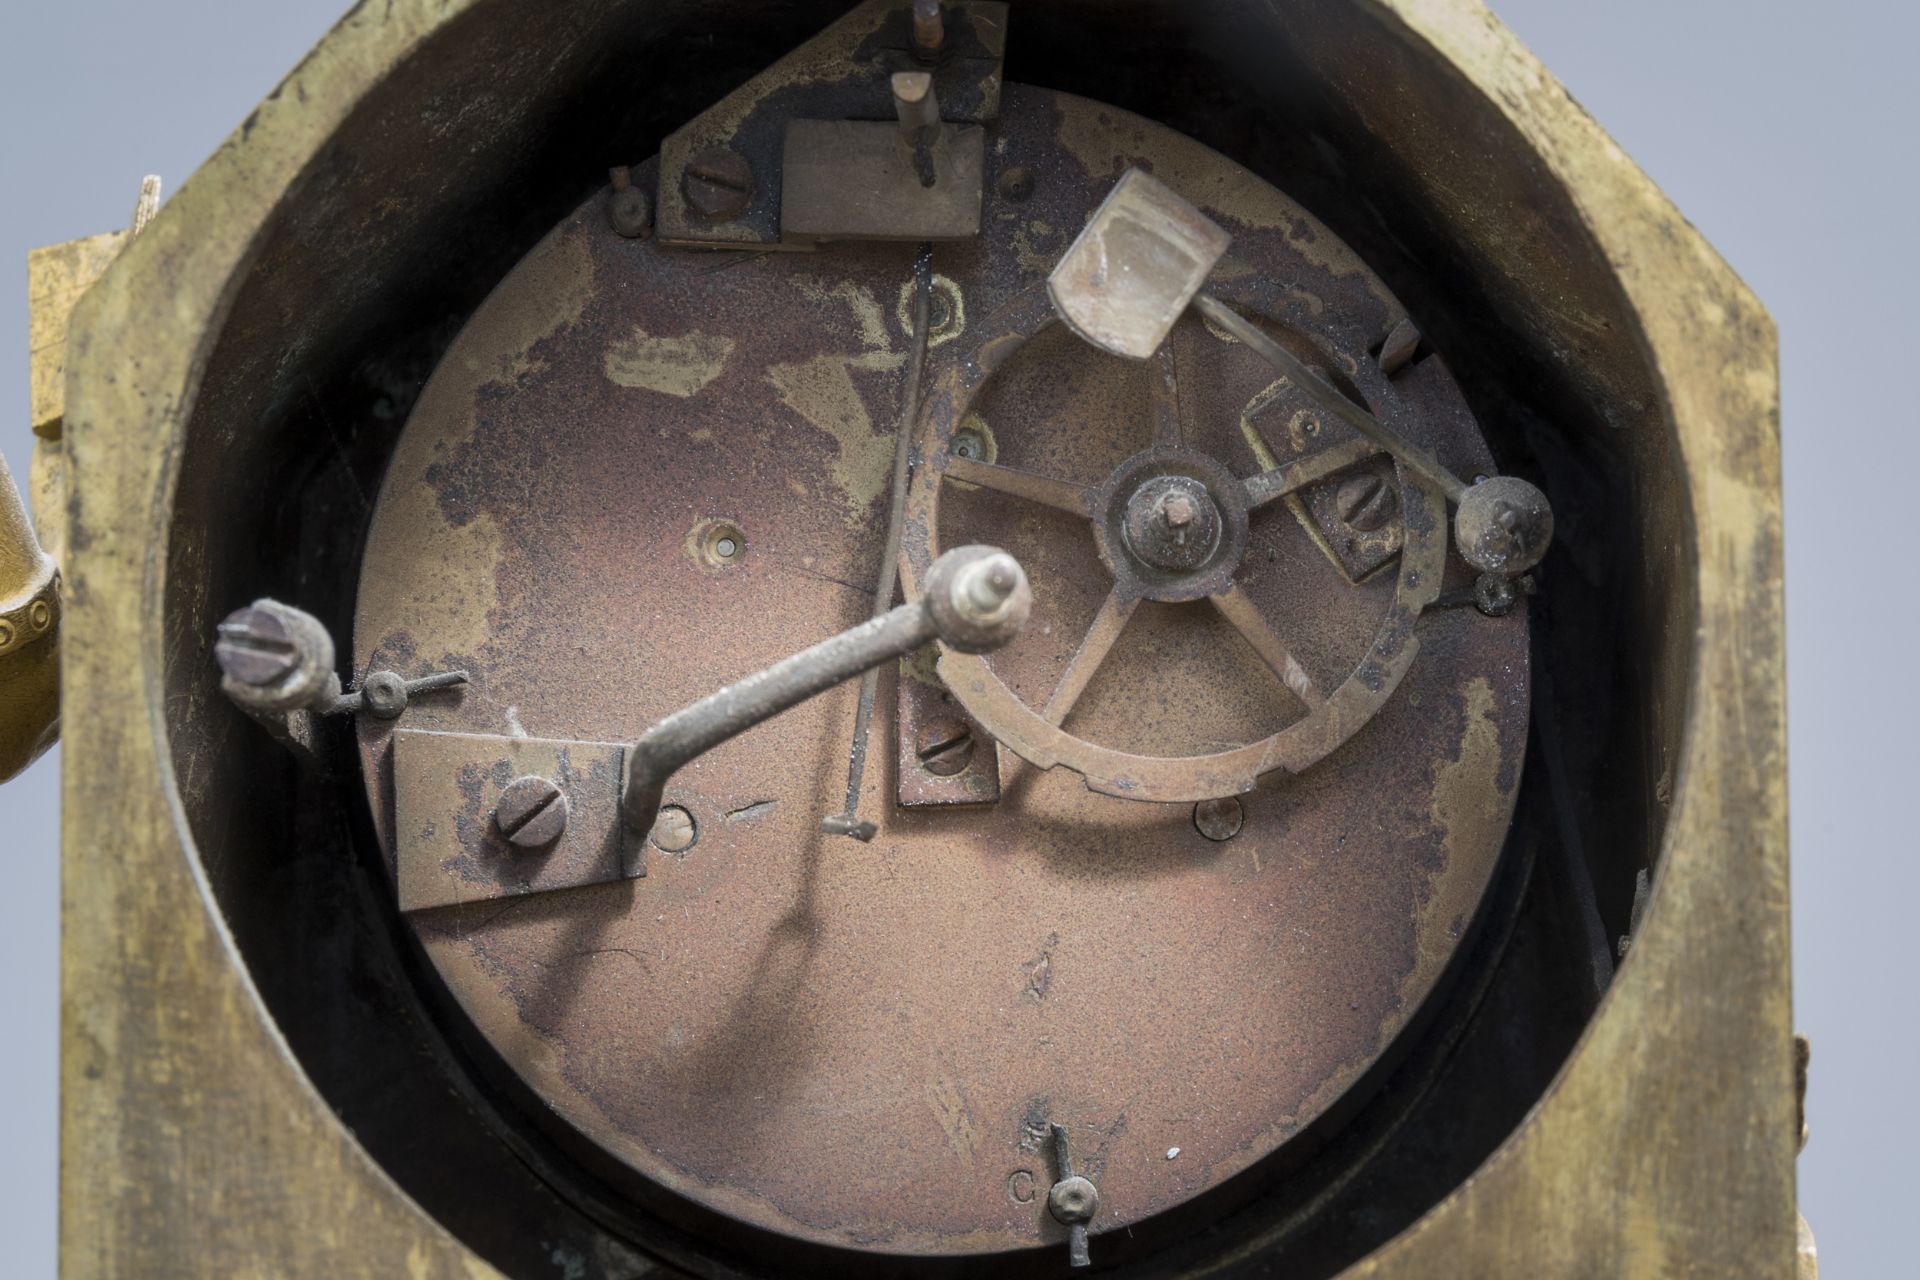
x: 855, y: 180
x: 445, y: 787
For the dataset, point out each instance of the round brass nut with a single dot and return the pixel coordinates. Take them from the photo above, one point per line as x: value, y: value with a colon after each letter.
x: 1503, y: 526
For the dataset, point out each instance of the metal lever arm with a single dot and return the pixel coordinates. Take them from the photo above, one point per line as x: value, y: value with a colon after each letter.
x: 1145, y: 256
x: 1285, y: 362
x: 1502, y: 525
x: 977, y: 599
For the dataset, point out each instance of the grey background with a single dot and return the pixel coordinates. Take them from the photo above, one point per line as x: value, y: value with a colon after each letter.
x: 1782, y: 129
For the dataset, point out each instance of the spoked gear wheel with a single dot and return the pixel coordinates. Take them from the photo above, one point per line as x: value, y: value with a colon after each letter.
x: 1171, y: 525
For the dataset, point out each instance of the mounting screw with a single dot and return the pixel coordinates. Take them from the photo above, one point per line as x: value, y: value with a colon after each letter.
x: 1016, y: 184
x: 629, y: 211
x: 276, y: 659
x: 1366, y: 501
x: 718, y: 184
x: 675, y: 830
x: 255, y: 647
x: 944, y: 746
x: 1219, y: 819
x: 939, y: 311
x: 532, y: 813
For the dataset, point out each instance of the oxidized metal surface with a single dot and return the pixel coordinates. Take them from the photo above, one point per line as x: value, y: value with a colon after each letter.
x: 1357, y: 514
x: 57, y: 275
x: 844, y: 73
x: 1132, y: 270
x: 449, y: 845
x: 181, y: 1101
x: 864, y: 1045
x: 1360, y: 648
x: 855, y: 180
x: 944, y: 756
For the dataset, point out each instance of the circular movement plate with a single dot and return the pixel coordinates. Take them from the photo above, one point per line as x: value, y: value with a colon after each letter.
x: 640, y: 474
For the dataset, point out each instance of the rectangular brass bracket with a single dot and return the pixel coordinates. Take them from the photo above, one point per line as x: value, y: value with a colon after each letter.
x: 854, y: 180
x: 447, y: 848
x: 924, y: 701
x: 1359, y: 550
x: 842, y: 74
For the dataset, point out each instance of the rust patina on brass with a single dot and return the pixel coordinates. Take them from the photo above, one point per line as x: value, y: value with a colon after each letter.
x: 943, y: 755
x: 1362, y: 646
x: 449, y: 849
x: 740, y: 1024
x: 194, y: 1144
x: 839, y: 73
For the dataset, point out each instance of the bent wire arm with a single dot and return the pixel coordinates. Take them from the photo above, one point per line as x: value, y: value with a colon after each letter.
x: 977, y: 599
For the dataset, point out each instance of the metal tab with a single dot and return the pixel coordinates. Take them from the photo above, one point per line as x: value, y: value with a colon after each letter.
x: 1135, y: 266
x: 925, y: 707
x: 449, y: 849
x: 1357, y: 514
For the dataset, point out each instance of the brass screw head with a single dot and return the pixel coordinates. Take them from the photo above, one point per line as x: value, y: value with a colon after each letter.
x: 1366, y: 501
x: 718, y: 184
x: 1219, y: 819
x: 944, y: 746
x: 532, y: 813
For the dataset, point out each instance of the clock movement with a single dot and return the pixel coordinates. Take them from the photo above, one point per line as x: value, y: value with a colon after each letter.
x: 940, y: 638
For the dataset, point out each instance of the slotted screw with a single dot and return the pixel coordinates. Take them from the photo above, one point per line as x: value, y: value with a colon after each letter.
x: 532, y: 812
x: 255, y: 647
x: 1366, y: 501
x: 944, y: 746
x: 718, y: 184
